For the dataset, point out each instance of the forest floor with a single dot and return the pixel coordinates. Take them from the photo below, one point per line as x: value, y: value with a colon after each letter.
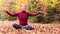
x: 6, y: 28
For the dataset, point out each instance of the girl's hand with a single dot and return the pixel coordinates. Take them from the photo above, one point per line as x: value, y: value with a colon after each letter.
x: 5, y: 10
x: 40, y: 12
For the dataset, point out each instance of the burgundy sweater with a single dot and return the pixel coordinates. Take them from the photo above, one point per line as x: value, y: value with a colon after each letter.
x: 22, y: 16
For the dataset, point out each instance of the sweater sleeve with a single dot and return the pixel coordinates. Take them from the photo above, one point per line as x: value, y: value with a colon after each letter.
x: 11, y: 14
x: 33, y: 14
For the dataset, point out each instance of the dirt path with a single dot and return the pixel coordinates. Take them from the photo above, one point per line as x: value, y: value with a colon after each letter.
x: 6, y: 28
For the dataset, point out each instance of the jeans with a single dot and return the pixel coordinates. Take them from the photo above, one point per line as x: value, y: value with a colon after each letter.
x: 17, y: 26
x: 20, y: 27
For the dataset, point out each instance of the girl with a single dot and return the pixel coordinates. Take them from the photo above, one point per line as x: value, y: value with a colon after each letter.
x: 23, y: 18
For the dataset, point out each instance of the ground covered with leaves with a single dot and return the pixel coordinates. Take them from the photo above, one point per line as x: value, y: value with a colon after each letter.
x: 6, y: 28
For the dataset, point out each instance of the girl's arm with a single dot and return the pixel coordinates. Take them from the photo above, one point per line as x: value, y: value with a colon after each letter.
x: 11, y: 14
x: 36, y: 13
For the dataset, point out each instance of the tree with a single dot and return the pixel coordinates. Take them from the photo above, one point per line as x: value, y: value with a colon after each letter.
x: 10, y: 5
x: 33, y: 7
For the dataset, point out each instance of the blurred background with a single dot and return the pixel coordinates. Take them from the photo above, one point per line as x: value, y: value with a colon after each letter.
x: 51, y: 9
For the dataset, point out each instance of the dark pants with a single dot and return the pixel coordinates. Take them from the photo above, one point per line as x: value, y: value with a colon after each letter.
x: 20, y: 27
x: 17, y: 26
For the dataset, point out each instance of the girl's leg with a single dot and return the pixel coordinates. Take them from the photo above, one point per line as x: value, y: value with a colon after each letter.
x: 29, y: 28
x: 16, y: 26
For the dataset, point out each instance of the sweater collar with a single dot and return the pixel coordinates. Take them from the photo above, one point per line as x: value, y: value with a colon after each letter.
x: 23, y: 11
